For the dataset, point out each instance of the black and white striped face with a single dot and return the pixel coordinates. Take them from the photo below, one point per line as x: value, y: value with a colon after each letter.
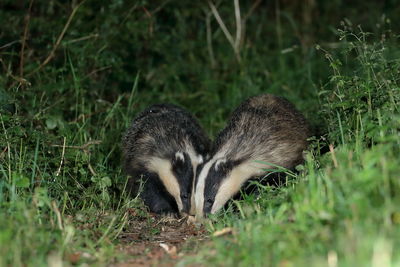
x: 183, y: 172
x: 217, y: 181
x: 177, y: 176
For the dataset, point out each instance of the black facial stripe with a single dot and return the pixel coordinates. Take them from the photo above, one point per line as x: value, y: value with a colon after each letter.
x: 181, y: 167
x: 212, y: 183
x: 183, y: 171
x: 214, y: 179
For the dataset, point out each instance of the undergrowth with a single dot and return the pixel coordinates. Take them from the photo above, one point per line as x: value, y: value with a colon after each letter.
x: 343, y: 207
x: 74, y: 75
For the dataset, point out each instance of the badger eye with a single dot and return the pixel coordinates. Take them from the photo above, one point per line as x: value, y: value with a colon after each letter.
x: 185, y: 196
x: 210, y: 201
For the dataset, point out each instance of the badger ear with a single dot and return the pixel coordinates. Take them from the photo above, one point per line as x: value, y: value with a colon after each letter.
x: 200, y: 159
x: 179, y: 156
x: 178, y: 162
x: 219, y: 164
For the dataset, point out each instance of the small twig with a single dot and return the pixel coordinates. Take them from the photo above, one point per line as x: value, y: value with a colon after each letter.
x: 122, y: 225
x: 224, y: 231
x: 108, y: 230
x: 55, y: 103
x: 83, y: 147
x: 62, y: 158
x: 333, y: 155
x: 16, y: 79
x: 84, y: 38
x: 96, y: 71
x: 235, y: 44
x: 58, y: 214
x: 251, y: 10
x: 8, y: 146
x: 21, y: 59
x: 149, y: 16
x: 128, y: 13
x: 10, y: 44
x: 59, y: 39
x: 147, y: 13
x: 238, y: 25
x: 221, y: 24
x: 3, y: 152
x: 91, y: 169
x: 160, y: 7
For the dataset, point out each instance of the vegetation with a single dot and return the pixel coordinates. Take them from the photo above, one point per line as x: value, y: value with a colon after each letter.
x: 74, y: 75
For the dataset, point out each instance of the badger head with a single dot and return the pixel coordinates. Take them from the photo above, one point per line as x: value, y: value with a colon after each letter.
x: 177, y: 174
x: 218, y: 180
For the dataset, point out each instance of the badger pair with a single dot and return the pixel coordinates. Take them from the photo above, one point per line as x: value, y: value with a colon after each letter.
x: 167, y: 152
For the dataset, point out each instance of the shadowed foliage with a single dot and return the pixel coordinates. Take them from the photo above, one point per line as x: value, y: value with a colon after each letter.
x: 74, y: 74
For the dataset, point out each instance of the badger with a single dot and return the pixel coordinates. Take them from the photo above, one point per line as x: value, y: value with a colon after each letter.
x: 162, y: 149
x: 264, y: 132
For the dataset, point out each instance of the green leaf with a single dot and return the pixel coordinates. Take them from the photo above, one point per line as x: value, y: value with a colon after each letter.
x: 102, y: 182
x: 105, y: 182
x: 20, y: 180
x: 41, y: 197
x: 51, y: 123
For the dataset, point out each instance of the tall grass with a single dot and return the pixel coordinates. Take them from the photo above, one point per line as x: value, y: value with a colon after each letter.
x: 343, y: 208
x: 62, y: 189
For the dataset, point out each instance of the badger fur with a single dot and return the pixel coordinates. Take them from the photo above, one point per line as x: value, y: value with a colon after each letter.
x: 263, y: 130
x: 162, y: 149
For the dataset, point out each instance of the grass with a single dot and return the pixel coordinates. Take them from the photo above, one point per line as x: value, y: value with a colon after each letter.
x: 62, y: 188
x: 343, y: 208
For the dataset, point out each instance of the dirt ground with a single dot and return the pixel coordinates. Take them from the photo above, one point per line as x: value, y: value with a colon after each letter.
x: 158, y: 241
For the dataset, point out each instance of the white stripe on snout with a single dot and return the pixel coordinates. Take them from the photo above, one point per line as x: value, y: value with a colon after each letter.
x: 232, y: 184
x: 199, y: 192
x: 201, y: 182
x: 195, y: 159
x: 163, y: 168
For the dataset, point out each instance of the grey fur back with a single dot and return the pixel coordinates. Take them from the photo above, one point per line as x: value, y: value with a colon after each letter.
x: 160, y: 131
x: 265, y: 127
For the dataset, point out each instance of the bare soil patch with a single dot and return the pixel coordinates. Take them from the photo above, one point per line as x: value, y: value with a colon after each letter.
x: 155, y: 240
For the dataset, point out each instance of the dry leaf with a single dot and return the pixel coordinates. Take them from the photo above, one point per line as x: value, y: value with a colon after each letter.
x: 73, y: 257
x: 171, y: 250
x: 225, y: 231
